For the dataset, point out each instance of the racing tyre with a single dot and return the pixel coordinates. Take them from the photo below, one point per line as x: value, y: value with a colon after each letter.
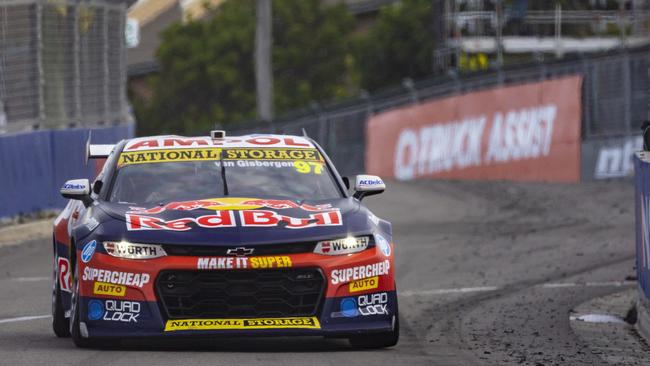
x: 60, y: 324
x: 378, y: 340
x: 75, y: 329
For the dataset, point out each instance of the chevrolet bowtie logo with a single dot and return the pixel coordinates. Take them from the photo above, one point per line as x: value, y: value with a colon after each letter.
x: 240, y: 251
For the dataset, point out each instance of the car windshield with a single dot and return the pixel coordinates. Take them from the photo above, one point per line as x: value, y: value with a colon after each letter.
x: 164, y: 176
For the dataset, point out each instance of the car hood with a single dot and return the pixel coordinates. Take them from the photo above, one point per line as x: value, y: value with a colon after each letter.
x: 235, y: 221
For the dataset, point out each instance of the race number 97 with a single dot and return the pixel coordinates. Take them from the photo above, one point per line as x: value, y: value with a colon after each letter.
x: 306, y: 167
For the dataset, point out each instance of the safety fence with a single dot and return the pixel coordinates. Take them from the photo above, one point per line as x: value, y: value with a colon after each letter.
x: 62, y: 64
x: 35, y: 165
x: 614, y: 101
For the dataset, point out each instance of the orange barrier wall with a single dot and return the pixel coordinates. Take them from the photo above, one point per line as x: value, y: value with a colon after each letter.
x: 529, y: 132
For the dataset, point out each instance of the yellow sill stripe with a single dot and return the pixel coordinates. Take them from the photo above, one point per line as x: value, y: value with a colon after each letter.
x: 243, y: 324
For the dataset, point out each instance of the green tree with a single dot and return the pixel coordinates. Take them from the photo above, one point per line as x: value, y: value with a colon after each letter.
x: 399, y: 45
x: 207, y: 72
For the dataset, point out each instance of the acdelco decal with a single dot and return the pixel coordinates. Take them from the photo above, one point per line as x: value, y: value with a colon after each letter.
x: 243, y: 262
x: 115, y: 277
x: 359, y: 272
x: 264, y: 323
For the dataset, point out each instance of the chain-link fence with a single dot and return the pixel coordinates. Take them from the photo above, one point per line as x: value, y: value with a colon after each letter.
x: 62, y: 63
x: 615, y: 102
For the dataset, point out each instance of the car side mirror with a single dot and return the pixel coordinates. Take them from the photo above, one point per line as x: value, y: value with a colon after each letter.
x: 77, y: 189
x: 368, y: 185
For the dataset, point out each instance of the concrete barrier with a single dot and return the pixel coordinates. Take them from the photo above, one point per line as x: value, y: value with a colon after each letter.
x: 642, y: 219
x: 34, y: 165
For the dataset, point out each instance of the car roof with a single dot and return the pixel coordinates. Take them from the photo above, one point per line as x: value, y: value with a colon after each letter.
x: 244, y: 141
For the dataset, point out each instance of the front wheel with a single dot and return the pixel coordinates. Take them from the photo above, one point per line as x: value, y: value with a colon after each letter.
x: 378, y: 340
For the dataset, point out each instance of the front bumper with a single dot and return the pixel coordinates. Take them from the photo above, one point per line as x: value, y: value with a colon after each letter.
x: 122, y: 297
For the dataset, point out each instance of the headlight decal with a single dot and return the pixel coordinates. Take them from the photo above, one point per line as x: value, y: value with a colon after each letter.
x: 123, y: 249
x: 342, y: 246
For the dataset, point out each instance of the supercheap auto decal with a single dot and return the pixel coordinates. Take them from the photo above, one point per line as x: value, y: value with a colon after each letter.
x: 360, y: 272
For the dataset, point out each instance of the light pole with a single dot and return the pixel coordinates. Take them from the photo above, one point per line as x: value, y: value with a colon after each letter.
x: 263, y: 70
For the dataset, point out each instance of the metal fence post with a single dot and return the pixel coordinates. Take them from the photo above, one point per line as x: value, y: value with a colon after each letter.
x: 587, y: 87
x: 627, y: 93
x: 322, y: 123
x: 39, y: 62
x: 123, y: 108
x: 3, y: 56
x: 410, y: 86
x: 76, y: 76
x: 105, y: 50
x: 331, y: 133
x: 365, y: 97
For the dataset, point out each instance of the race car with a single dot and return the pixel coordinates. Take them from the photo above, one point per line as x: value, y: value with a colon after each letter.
x: 253, y: 235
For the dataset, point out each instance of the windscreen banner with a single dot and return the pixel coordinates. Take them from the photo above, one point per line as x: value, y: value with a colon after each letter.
x: 528, y: 132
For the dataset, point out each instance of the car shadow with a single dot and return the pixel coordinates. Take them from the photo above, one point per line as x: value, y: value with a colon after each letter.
x: 239, y: 344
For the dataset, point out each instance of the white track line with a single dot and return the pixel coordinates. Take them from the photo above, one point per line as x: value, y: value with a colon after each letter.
x: 589, y: 284
x: 461, y: 290
x: 30, y: 279
x: 597, y: 318
x: 24, y: 318
x: 466, y: 290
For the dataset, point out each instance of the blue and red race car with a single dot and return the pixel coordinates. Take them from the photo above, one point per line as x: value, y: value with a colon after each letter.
x: 210, y: 236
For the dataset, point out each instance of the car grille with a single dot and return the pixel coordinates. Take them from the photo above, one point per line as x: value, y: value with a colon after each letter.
x: 240, y: 293
x: 269, y: 249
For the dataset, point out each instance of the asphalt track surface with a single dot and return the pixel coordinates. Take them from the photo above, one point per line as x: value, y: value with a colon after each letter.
x: 488, y: 274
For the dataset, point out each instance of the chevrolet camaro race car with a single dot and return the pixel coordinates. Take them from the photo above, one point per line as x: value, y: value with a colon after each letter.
x: 252, y: 235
